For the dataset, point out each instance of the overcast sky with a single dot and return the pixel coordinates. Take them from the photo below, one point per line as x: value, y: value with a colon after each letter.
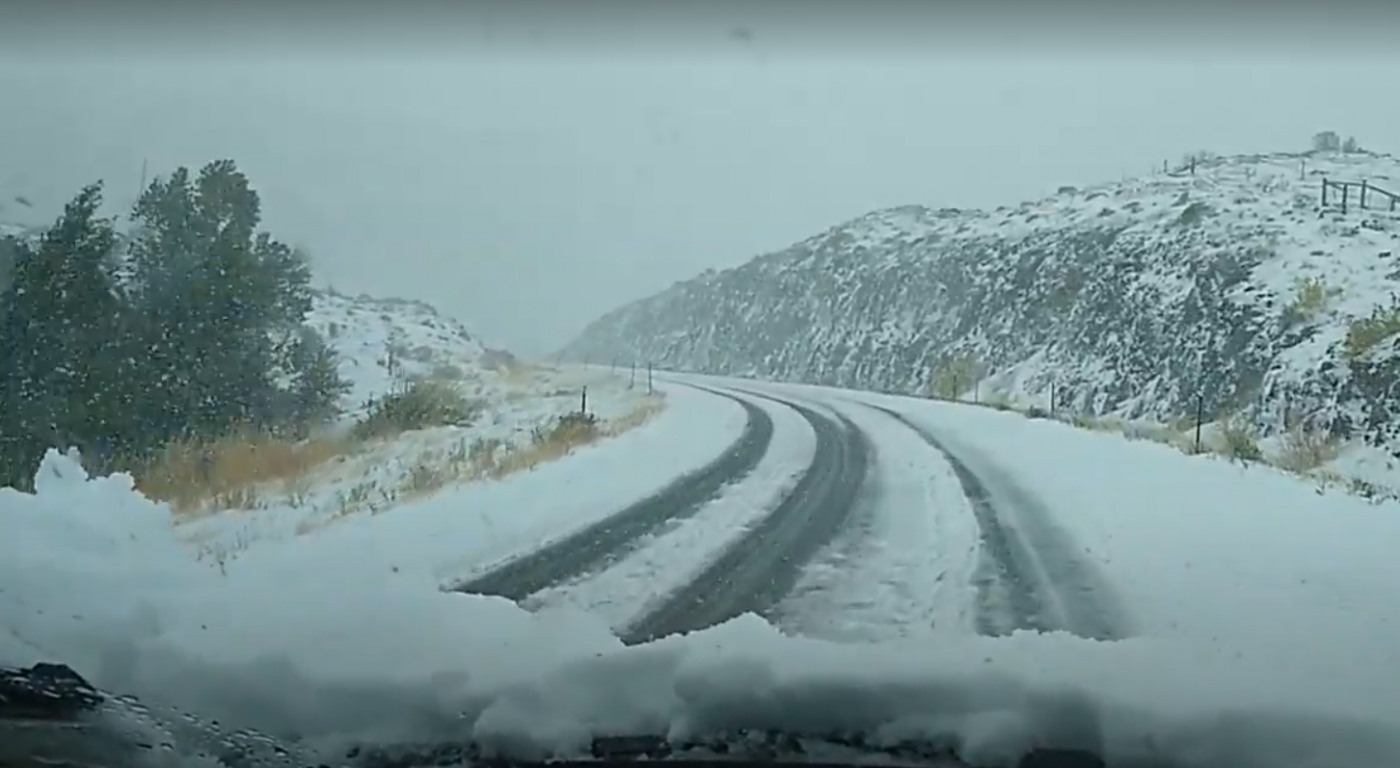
x: 527, y: 183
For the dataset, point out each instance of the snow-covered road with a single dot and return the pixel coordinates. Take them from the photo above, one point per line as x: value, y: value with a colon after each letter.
x: 972, y: 568
x: 664, y: 561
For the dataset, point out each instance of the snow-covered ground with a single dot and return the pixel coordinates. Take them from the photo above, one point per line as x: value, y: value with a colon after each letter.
x: 1243, y: 557
x: 386, y: 343
x: 1263, y: 627
x: 1130, y: 298
x: 899, y: 573
x: 466, y: 530
x: 665, y: 561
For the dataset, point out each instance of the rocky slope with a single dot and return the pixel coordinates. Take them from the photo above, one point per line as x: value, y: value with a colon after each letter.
x: 1232, y: 284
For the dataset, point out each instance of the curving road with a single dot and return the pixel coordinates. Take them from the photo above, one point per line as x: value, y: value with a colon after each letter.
x: 598, y: 545
x: 758, y: 570
x: 1030, y: 576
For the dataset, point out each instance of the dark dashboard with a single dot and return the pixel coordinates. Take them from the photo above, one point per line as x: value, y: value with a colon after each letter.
x: 50, y: 717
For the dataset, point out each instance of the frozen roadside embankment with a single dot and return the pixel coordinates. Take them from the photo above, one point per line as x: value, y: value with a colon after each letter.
x: 459, y: 531
x: 520, y: 417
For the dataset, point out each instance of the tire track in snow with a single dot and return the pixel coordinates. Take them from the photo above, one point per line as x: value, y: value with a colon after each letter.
x: 1029, y: 578
x: 760, y: 568
x: 608, y: 540
x: 675, y: 553
x: 906, y: 566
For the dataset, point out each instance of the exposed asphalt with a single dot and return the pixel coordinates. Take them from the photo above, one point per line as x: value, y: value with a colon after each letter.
x: 604, y: 542
x: 1029, y: 576
x: 758, y: 570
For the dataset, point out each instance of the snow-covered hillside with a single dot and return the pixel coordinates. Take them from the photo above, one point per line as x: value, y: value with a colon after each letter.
x: 380, y: 340
x: 1129, y: 298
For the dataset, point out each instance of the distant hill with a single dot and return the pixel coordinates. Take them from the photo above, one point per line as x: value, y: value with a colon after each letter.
x: 1128, y: 298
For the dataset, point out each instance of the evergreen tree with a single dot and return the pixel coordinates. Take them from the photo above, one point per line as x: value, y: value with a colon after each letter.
x: 312, y: 368
x: 227, y: 302
x: 57, y: 324
x: 199, y: 328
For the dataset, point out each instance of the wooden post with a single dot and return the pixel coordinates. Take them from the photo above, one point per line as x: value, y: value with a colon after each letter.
x: 1200, y: 416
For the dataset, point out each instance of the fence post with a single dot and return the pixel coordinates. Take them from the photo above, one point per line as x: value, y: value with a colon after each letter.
x: 583, y: 400
x: 1345, y: 190
x: 1324, y: 191
x: 632, y: 382
x: 649, y: 384
x: 1052, y: 397
x: 1362, y: 202
x: 1200, y: 416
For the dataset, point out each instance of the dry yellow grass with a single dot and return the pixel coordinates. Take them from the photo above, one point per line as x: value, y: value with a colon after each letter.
x: 1304, y: 450
x: 494, y: 459
x: 555, y: 442
x: 237, y: 471
x: 225, y: 473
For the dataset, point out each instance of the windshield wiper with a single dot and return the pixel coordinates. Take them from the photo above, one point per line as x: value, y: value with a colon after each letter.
x: 45, y: 692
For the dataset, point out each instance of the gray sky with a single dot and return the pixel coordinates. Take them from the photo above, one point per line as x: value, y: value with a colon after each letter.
x: 531, y: 184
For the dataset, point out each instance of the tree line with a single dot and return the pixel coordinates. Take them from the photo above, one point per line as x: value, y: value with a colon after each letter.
x: 186, y: 323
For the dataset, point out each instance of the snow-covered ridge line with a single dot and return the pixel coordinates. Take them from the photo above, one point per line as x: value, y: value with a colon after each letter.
x: 1131, y: 298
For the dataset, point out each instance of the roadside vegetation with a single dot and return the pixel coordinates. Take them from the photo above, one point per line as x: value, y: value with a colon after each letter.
x: 176, y: 347
x: 1301, y: 449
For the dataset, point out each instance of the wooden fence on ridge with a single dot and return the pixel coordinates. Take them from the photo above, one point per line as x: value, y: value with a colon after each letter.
x: 1363, y: 187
